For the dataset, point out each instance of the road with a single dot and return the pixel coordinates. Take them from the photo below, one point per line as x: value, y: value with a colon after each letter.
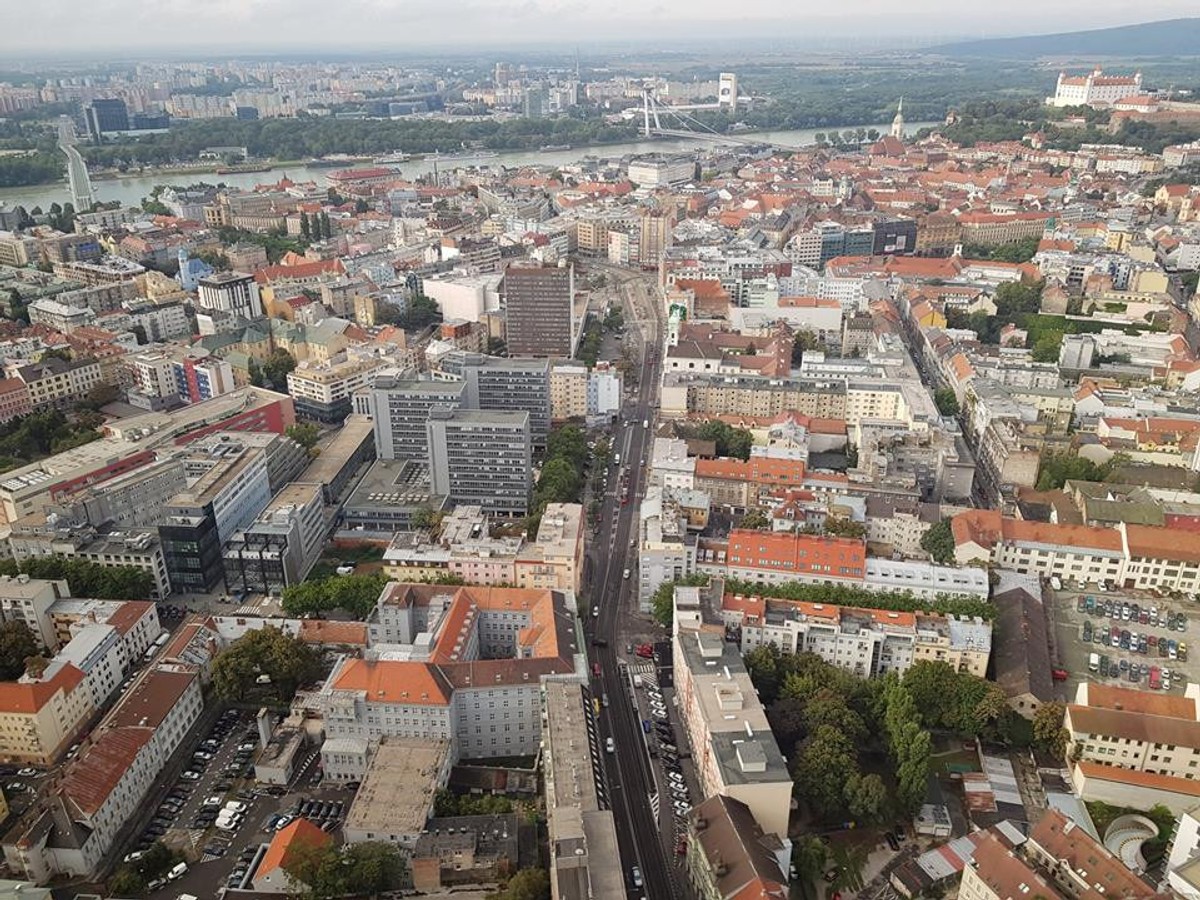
x: 630, y: 781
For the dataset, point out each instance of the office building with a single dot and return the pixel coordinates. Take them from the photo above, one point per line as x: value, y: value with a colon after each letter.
x: 105, y: 116
x: 400, y: 407
x: 279, y: 548
x: 231, y: 292
x: 483, y: 458
x: 57, y: 383
x: 540, y: 311
x: 510, y: 385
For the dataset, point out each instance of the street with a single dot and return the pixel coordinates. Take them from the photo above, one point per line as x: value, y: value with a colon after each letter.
x: 630, y: 781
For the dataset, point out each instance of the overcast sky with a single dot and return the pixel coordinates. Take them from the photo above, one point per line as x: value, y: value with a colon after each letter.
x: 149, y: 27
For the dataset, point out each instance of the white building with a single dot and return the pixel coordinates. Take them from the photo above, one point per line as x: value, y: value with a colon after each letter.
x: 231, y: 292
x: 1094, y: 89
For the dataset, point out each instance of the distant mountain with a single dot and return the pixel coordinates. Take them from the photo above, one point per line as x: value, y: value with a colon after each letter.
x: 1174, y: 37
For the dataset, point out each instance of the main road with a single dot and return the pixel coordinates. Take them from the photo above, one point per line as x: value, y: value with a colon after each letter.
x: 630, y: 781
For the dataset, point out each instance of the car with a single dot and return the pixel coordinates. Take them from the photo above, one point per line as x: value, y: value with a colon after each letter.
x: 236, y: 807
x: 892, y: 842
x: 1172, y: 649
x: 190, y: 775
x: 27, y: 772
x: 1181, y: 651
x: 635, y: 875
x: 1080, y: 604
x: 284, y: 822
x: 1124, y: 666
x: 135, y: 856
x: 610, y: 746
x: 1087, y: 631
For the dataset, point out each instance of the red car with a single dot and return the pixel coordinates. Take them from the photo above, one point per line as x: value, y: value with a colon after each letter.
x: 1059, y: 674
x: 646, y: 651
x: 596, y: 669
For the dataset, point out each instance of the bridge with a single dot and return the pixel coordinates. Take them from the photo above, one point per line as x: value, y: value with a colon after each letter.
x: 82, y: 195
x: 689, y: 127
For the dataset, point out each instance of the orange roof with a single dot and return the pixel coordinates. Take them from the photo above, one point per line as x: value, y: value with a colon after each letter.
x: 300, y: 833
x: 129, y: 614
x: 759, y: 470
x: 324, y: 631
x: 268, y: 274
x: 802, y: 553
x: 986, y: 526
x: 29, y: 697
x: 393, y: 681
x: 1104, y: 696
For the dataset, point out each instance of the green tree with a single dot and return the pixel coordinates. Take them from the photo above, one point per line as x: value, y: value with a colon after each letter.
x: 755, y: 520
x: 808, y: 852
x: 356, y: 594
x: 305, y: 227
x: 277, y: 367
x: 825, y: 763
x: 17, y: 644
x: 866, y: 797
x: 730, y: 441
x: 946, y: 401
x: 255, y: 373
x: 288, y: 662
x: 938, y: 542
x: 1059, y: 468
x: 372, y: 867
x: 1048, y: 731
x: 126, y: 882
x: 662, y: 603
x: 841, y: 526
x: 304, y: 433
x: 527, y: 884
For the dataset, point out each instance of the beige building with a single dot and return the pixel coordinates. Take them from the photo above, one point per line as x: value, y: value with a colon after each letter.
x: 555, y: 560
x: 53, y: 382
x: 732, y: 746
x: 40, y: 717
x: 568, y: 391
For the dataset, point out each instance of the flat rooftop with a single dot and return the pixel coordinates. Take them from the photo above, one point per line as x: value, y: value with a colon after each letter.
x: 396, y: 796
x: 395, y: 483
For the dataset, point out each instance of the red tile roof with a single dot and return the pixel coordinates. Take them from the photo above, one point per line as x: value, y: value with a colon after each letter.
x: 299, y: 834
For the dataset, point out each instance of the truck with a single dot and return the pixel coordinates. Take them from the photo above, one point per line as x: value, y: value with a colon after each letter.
x: 1094, y: 662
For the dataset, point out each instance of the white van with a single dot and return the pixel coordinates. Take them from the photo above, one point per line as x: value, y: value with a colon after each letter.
x: 625, y: 575
x: 1094, y: 662
x: 178, y: 871
x: 1056, y: 582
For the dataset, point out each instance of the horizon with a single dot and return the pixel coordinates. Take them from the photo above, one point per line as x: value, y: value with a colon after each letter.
x: 547, y: 33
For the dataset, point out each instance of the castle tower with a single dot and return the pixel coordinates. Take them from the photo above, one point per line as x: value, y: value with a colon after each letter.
x: 898, y: 122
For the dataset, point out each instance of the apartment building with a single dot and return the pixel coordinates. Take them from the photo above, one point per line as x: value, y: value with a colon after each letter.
x: 280, y: 546
x: 56, y: 383
x: 39, y: 717
x: 510, y: 385
x: 29, y: 600
x: 732, y: 746
x: 71, y: 828
x: 866, y: 642
x: 730, y: 857
x: 324, y: 391
x: 38, y: 535
x: 135, y: 621
x: 665, y: 549
x: 14, y: 399
x: 461, y: 664
x: 777, y: 557
x: 481, y: 458
x: 1143, y: 557
x: 554, y: 561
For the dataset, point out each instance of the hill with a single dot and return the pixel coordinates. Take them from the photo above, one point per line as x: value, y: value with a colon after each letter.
x: 1173, y: 37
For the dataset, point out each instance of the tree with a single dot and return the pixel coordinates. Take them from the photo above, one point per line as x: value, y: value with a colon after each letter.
x: 662, y: 603
x: 730, y: 441
x: 1048, y: 731
x: 787, y: 720
x: 287, y: 661
x: 304, y: 433
x: 305, y: 227
x: 277, y: 367
x: 1059, y: 468
x: 823, y: 766
x: 372, y: 867
x: 946, y: 401
x: 528, y: 884
x: 356, y: 594
x: 102, y: 395
x: 126, y: 882
x: 808, y: 856
x: 755, y: 520
x: 866, y: 797
x: 17, y: 644
x: 939, y: 543
x: 426, y: 518
x: 841, y: 526
x: 255, y: 373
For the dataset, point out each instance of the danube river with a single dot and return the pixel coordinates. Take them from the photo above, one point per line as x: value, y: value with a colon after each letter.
x: 130, y: 191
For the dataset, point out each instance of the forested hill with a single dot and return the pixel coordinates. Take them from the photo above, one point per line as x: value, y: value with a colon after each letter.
x: 1174, y: 37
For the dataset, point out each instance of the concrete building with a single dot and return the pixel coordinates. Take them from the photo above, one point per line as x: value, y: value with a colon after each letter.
x: 395, y: 799
x: 666, y: 551
x: 279, y: 548
x: 510, y: 385
x: 584, y: 858
x: 55, y: 383
x: 231, y: 292
x: 40, y: 717
x: 29, y: 600
x: 481, y: 458
x: 540, y: 311
x: 1094, y: 89
x: 729, y: 857
x: 867, y: 642
x: 401, y: 408
x: 324, y: 391
x: 732, y: 746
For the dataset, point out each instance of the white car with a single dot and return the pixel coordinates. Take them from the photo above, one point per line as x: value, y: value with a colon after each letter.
x: 190, y: 776
x: 234, y: 806
x: 27, y: 772
x: 283, y: 823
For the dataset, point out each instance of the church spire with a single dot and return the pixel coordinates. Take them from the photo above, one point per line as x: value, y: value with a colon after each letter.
x: 898, y: 122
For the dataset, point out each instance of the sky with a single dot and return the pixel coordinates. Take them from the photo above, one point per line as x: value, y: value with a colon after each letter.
x: 150, y: 28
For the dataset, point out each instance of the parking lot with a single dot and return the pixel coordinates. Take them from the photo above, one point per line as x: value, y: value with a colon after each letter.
x: 1140, y: 641
x: 220, y: 819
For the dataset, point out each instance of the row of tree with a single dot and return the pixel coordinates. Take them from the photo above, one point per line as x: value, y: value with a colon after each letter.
x: 37, y: 435
x: 354, y: 594
x: 563, y: 474
x: 87, y: 579
x: 731, y: 442
x: 316, y: 228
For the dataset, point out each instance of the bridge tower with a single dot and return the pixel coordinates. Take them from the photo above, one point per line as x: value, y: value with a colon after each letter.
x: 649, y: 109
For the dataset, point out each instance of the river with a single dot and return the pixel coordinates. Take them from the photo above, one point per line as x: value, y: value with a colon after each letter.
x: 130, y: 191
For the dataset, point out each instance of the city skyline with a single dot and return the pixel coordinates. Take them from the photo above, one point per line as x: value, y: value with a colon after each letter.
x: 113, y: 27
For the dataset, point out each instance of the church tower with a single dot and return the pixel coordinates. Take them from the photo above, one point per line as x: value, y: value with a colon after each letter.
x: 898, y: 122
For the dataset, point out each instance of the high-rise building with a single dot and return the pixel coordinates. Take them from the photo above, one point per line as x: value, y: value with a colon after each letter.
x: 106, y: 116
x: 727, y: 90
x: 540, y: 307
x: 481, y: 458
x: 494, y: 383
x: 400, y: 407
x: 654, y: 236
x: 233, y: 292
